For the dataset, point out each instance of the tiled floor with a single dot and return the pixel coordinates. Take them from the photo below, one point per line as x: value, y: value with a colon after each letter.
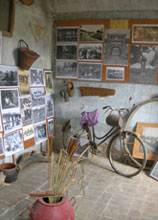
x: 108, y: 196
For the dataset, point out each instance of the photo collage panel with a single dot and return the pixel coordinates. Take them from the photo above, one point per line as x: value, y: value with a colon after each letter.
x: 27, y: 108
x: 105, y: 52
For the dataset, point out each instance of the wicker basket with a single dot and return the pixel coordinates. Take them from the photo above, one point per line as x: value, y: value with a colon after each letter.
x: 26, y: 57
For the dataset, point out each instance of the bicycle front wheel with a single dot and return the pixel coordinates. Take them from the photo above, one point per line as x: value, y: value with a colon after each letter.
x: 120, y: 154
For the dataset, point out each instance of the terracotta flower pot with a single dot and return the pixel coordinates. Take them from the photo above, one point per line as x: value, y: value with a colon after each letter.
x: 10, y: 171
x: 42, y: 210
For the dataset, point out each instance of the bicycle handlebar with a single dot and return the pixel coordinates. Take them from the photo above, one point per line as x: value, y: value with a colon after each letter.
x: 121, y: 110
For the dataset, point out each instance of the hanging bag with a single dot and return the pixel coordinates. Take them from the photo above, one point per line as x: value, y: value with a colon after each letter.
x: 26, y: 57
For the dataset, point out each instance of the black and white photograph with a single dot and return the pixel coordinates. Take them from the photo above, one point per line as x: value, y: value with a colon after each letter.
x: 90, y: 71
x: 24, y: 81
x: 40, y: 133
x: 66, y: 52
x: 28, y: 132
x: 13, y: 142
x: 115, y: 73
x: 143, y: 67
x: 26, y: 109
x: 11, y: 120
x: 116, y: 47
x: 92, y: 52
x: 49, y: 106
x: 9, y: 98
x: 39, y: 114
x: 49, y: 84
x: 66, y: 69
x: 67, y: 34
x: 150, y: 139
x: 38, y: 96
x: 8, y: 76
x: 154, y: 171
x: 51, y: 127
x: 1, y: 145
x: 0, y: 46
x: 36, y: 77
x: 91, y: 33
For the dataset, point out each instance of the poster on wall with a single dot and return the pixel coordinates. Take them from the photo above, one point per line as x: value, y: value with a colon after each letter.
x: 115, y: 73
x: 92, y: 52
x: 39, y: 114
x: 11, y: 120
x: 90, y: 71
x: 1, y: 145
x: 38, y: 96
x: 9, y: 99
x: 67, y: 69
x: 13, y: 142
x: 8, y: 76
x: 67, y: 34
x: 0, y: 46
x: 28, y: 132
x: 49, y: 82
x: 36, y: 77
x: 26, y: 109
x: 24, y: 81
x: 66, y: 52
x: 91, y: 33
x: 145, y: 33
x: 143, y: 67
x: 116, y: 47
x: 51, y: 127
x: 49, y: 106
x: 40, y: 133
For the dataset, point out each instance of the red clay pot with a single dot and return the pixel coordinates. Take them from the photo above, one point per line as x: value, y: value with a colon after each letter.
x: 42, y: 210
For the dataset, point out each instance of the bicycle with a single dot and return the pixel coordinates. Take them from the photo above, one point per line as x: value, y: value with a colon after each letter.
x: 120, y: 147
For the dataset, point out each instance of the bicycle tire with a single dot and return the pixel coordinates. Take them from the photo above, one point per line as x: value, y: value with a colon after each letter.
x: 120, y: 154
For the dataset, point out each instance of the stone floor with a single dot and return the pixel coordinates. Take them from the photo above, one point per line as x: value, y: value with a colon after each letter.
x: 108, y: 196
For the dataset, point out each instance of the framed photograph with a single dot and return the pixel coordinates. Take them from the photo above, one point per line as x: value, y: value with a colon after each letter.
x: 154, y: 171
x: 11, y: 120
x: 51, y: 127
x: 0, y: 46
x: 8, y: 76
x: 38, y: 96
x: 28, y: 132
x: 92, y: 52
x: 9, y: 99
x: 36, y: 77
x: 148, y: 134
x: 91, y: 33
x: 143, y: 65
x: 115, y: 73
x: 40, y: 133
x: 49, y: 84
x: 145, y: 33
x: 90, y: 71
x: 26, y: 109
x: 24, y: 81
x: 116, y: 47
x: 66, y: 52
x: 39, y: 114
x: 1, y: 145
x: 49, y: 106
x: 13, y: 142
x: 67, y: 69
x: 67, y: 34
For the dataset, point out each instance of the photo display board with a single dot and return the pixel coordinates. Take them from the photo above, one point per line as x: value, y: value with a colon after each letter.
x: 108, y: 50
x: 26, y: 109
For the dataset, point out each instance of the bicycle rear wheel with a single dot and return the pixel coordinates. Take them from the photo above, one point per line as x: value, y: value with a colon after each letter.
x: 120, y: 154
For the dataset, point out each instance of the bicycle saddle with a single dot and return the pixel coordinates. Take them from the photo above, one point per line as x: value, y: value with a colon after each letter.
x: 89, y: 117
